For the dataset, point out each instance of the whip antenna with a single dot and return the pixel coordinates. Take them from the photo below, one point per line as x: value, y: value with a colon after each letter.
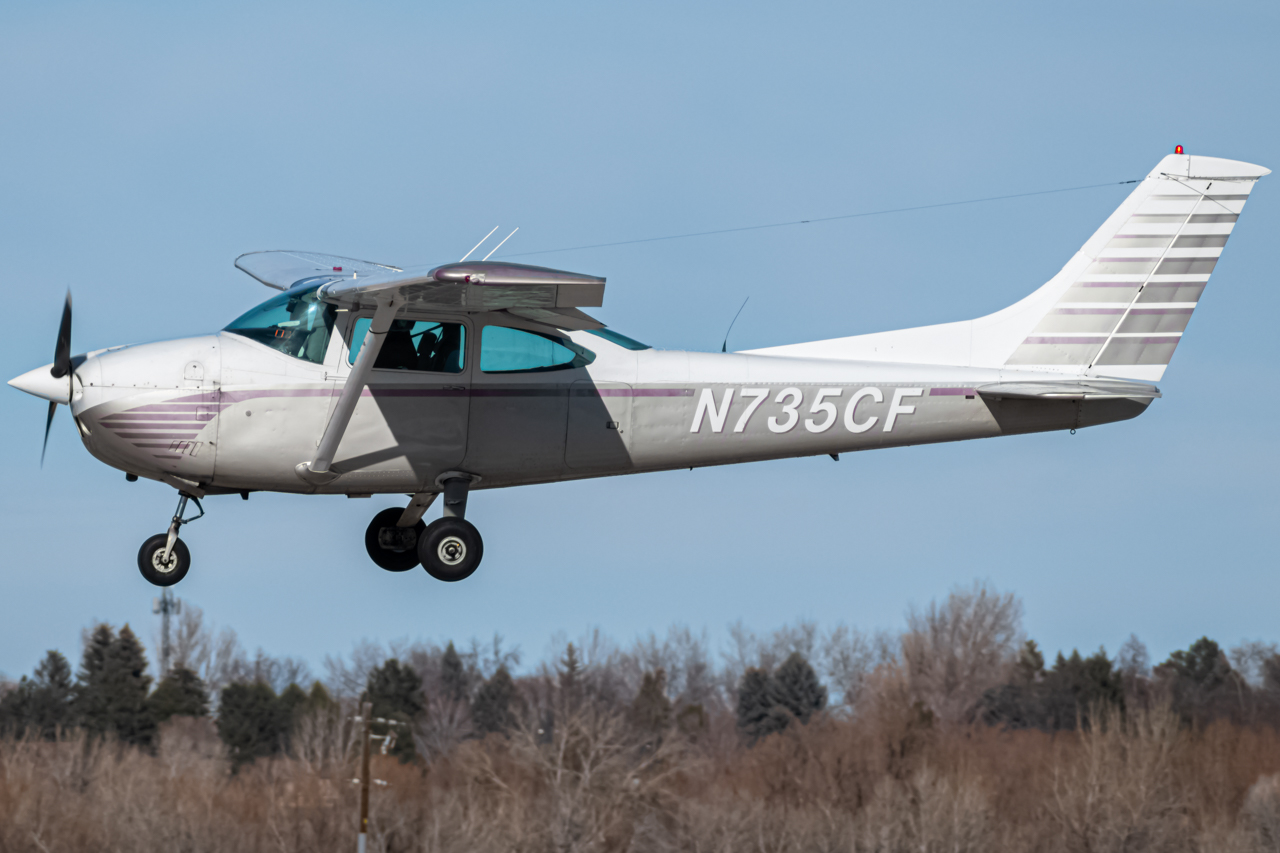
x: 481, y: 243
x: 724, y: 347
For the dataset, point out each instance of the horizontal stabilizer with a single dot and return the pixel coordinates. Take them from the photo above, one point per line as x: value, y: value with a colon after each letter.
x: 283, y: 269
x: 1095, y: 389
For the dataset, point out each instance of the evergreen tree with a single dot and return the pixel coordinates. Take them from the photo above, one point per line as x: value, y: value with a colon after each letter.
x: 493, y: 709
x: 251, y: 722
x: 126, y: 685
x: 758, y: 711
x: 798, y: 689
x: 111, y: 693
x: 395, y: 692
x: 180, y: 693
x: 15, y: 709
x: 651, y: 709
x: 1030, y: 665
x: 90, y: 702
x: 571, y: 677
x: 319, y: 698
x: 1201, y: 681
x: 453, y: 675
x: 50, y: 695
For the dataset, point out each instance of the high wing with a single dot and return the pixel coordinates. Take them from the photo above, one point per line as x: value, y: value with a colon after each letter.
x: 283, y: 269
x: 543, y: 295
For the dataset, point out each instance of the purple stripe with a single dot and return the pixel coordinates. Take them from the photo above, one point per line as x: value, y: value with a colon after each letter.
x: 166, y: 407
x: 633, y: 392
x: 413, y: 392
x: 1064, y: 340
x: 157, y: 435
x: 153, y: 444
x: 241, y: 396
x: 187, y: 416
x: 1162, y: 310
x: 205, y: 397
x: 950, y: 392
x: 1089, y: 311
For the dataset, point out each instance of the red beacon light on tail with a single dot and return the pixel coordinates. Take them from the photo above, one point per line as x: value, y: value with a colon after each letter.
x: 1177, y: 149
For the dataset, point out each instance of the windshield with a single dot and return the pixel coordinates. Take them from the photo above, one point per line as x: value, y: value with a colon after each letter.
x: 296, y: 323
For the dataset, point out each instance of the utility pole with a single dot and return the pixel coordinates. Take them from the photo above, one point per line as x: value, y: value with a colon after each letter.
x: 166, y: 605
x: 366, y: 712
x: 366, y: 721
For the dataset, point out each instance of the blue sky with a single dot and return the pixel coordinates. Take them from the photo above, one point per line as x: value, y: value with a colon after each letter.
x: 144, y: 146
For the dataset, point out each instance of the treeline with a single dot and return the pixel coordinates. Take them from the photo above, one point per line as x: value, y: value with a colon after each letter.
x: 954, y: 734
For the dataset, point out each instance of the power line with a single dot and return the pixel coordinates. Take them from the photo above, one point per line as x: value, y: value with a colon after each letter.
x: 819, y: 219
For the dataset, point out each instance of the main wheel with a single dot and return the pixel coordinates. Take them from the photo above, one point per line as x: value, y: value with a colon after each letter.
x: 451, y: 549
x: 155, y: 568
x: 393, y: 548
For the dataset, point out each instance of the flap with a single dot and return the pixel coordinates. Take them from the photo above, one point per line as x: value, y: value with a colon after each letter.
x: 1092, y: 389
x: 479, y: 286
x: 282, y: 269
x: 570, y: 319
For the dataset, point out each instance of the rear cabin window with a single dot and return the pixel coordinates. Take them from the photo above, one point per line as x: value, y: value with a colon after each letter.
x: 507, y: 350
x: 418, y: 345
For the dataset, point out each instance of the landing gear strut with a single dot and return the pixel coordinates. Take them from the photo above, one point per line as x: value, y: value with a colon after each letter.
x: 451, y: 548
x: 164, y: 558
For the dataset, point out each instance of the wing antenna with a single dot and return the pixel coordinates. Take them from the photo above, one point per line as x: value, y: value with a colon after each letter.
x: 499, y: 246
x: 481, y: 243
x: 724, y: 347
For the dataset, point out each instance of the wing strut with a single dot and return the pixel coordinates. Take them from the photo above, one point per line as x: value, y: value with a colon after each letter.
x: 316, y: 472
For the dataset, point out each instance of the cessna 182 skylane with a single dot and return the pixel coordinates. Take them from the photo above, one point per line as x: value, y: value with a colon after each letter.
x: 362, y: 378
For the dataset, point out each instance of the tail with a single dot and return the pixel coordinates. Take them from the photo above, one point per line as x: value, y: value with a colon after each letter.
x: 1120, y: 305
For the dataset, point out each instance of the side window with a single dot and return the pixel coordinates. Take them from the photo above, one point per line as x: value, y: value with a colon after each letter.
x: 506, y: 350
x: 416, y: 345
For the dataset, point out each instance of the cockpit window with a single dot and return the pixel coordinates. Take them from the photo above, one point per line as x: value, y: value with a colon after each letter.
x: 416, y: 345
x: 296, y: 322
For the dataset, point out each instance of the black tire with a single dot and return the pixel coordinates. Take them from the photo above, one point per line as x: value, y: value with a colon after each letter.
x: 392, y: 559
x: 158, y: 573
x: 451, y: 549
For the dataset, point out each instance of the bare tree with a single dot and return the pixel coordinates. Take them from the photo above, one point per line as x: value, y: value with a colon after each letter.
x: 956, y: 650
x: 1250, y: 658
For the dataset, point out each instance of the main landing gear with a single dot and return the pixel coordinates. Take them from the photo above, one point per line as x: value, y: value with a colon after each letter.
x: 164, y: 558
x: 449, y: 548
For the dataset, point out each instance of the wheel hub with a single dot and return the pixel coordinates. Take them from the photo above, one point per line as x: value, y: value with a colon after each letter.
x: 451, y: 551
x: 159, y: 563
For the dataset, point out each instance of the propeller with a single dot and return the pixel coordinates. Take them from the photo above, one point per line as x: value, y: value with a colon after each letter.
x: 61, y: 367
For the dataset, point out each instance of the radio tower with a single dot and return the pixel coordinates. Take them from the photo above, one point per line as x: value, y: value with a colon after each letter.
x: 166, y: 605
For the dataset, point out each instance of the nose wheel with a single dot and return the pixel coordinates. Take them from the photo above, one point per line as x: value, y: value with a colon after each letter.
x: 164, y: 559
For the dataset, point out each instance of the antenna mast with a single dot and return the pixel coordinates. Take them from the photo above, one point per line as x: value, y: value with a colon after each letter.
x: 166, y: 605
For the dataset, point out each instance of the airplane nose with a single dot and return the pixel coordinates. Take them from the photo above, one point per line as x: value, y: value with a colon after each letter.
x: 43, y: 384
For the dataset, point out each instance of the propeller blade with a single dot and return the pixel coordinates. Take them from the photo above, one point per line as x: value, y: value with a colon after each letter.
x: 62, y: 352
x: 53, y: 407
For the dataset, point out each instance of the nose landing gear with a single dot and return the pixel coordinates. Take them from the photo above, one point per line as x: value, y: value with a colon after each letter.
x: 164, y: 558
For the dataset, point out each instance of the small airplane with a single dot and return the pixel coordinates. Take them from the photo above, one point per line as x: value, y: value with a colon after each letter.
x: 361, y: 378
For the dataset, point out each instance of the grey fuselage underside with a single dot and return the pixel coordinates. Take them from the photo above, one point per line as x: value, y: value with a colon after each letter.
x: 242, y: 415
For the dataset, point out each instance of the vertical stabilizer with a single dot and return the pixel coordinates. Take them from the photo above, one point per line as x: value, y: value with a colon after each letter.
x: 1120, y: 305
